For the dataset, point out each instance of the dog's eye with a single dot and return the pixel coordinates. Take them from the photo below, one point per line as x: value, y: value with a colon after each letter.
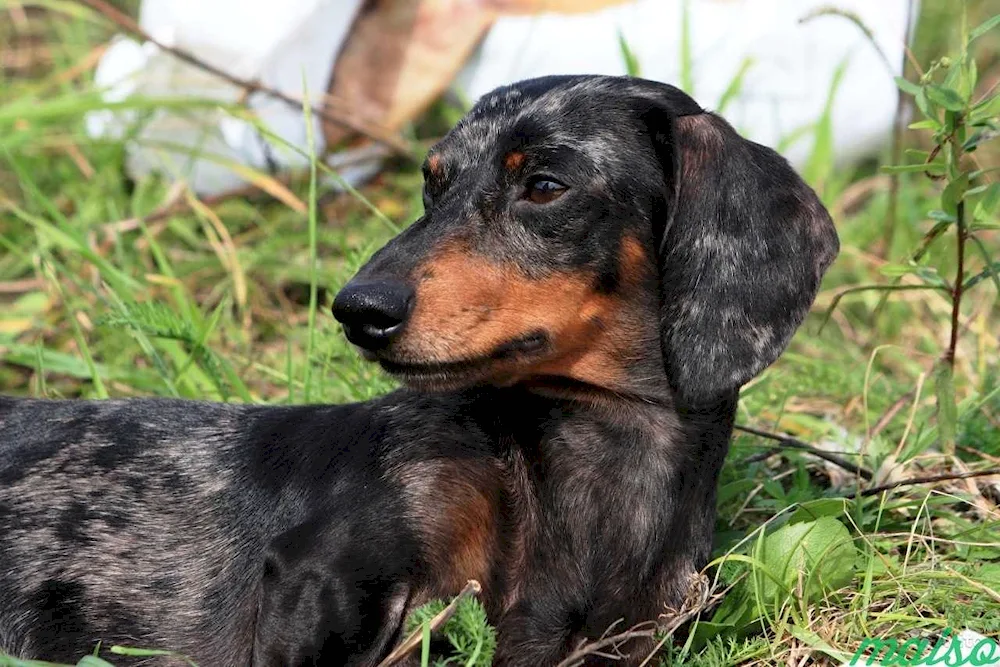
x: 544, y: 190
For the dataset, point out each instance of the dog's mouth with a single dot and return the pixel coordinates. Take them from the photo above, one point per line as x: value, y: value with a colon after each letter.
x: 491, y: 368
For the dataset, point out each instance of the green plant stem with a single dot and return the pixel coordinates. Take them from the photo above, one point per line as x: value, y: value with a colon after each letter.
x: 957, y: 289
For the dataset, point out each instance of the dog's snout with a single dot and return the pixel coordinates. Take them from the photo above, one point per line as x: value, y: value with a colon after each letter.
x: 373, y: 312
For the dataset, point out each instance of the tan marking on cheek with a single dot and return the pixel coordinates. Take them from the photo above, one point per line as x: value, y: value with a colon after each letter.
x: 587, y: 351
x: 457, y: 293
x: 633, y: 263
x: 469, y: 306
x: 513, y: 160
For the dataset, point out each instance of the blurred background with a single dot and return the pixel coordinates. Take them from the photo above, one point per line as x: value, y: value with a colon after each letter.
x: 184, y: 185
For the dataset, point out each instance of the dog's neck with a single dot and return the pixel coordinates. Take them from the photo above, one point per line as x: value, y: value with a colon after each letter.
x: 630, y: 480
x: 646, y: 430
x: 622, y: 489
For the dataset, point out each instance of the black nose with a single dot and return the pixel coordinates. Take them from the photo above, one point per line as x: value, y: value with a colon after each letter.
x: 373, y: 312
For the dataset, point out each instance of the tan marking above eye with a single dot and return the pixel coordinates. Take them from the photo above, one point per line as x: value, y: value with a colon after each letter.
x: 514, y: 160
x: 434, y: 164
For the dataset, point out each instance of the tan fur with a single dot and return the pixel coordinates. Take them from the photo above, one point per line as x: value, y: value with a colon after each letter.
x: 434, y: 164
x: 454, y: 506
x: 513, y: 160
x: 468, y: 306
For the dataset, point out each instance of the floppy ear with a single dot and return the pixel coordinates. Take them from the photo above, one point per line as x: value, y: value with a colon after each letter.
x: 743, y: 247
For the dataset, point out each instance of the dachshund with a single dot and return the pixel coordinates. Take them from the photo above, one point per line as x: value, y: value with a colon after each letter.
x: 600, y: 266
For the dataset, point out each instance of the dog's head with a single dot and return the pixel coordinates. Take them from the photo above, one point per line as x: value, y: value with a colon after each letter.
x: 594, y: 231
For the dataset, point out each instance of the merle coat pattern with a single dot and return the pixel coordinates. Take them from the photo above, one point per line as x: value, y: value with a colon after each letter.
x: 600, y: 267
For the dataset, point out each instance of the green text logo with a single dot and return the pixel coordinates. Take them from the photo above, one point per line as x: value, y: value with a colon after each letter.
x: 950, y: 650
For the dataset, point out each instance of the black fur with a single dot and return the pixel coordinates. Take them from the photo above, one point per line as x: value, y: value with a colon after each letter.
x: 573, y: 368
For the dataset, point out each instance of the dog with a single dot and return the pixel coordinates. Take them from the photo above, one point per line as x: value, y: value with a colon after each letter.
x: 601, y: 265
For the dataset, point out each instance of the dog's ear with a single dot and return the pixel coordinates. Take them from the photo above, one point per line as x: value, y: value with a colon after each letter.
x: 743, y: 244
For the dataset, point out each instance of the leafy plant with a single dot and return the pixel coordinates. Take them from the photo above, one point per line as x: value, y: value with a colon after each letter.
x: 959, y: 123
x: 151, y: 320
x: 472, y: 638
x: 802, y: 560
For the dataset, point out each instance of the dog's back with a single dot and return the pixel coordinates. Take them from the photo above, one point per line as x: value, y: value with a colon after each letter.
x: 123, y: 487
x: 147, y: 522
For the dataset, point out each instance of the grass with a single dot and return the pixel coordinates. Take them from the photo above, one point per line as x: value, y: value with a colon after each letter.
x: 229, y: 301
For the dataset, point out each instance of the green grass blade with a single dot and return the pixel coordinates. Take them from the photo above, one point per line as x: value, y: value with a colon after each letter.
x: 686, y: 56
x: 311, y: 333
x: 735, y: 85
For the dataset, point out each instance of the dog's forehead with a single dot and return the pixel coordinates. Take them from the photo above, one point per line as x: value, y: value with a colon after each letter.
x: 486, y: 122
x: 565, y: 111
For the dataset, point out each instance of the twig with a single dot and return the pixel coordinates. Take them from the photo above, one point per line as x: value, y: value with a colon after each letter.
x: 857, y: 194
x: 697, y: 600
x: 21, y: 286
x: 973, y: 450
x: 761, y: 456
x: 175, y: 204
x: 757, y: 489
x: 413, y: 641
x: 889, y: 414
x: 815, y: 451
x: 878, y: 288
x: 928, y: 480
x: 84, y: 64
x: 78, y: 158
x: 901, y: 105
x: 597, y: 647
x: 988, y: 93
x: 701, y: 597
x: 126, y: 23
x: 18, y: 16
